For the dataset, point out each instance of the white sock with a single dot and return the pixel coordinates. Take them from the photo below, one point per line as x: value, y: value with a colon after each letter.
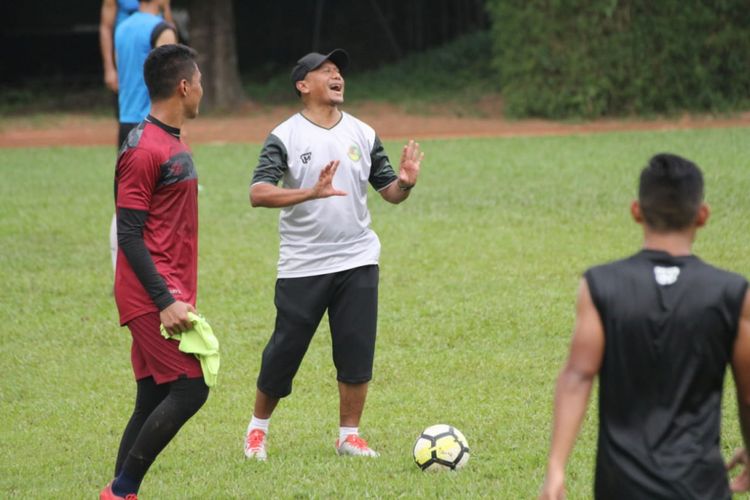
x: 259, y: 423
x: 345, y: 431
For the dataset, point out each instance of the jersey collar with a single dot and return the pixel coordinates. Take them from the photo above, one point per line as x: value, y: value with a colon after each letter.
x: 166, y: 128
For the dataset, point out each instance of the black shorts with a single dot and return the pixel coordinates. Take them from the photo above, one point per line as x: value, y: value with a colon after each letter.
x: 351, y: 298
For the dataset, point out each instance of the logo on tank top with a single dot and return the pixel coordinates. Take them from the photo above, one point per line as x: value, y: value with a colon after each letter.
x: 666, y: 275
x: 305, y: 157
x: 354, y: 153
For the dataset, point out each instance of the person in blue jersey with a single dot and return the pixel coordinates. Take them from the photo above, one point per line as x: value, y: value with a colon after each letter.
x: 659, y: 330
x: 114, y: 14
x: 134, y: 38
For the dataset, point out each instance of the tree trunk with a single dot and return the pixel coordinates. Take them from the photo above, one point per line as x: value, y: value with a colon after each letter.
x: 212, y: 35
x: 319, y: 6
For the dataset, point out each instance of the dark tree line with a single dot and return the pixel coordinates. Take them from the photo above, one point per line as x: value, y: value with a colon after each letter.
x: 373, y: 31
x: 257, y: 38
x: 212, y: 35
x: 234, y: 36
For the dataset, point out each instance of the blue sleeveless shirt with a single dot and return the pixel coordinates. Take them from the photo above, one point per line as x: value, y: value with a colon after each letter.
x: 133, y: 41
x: 124, y: 9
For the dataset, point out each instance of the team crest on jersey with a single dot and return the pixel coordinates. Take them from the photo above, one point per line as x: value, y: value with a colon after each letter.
x: 354, y: 153
x: 305, y: 157
x: 666, y: 275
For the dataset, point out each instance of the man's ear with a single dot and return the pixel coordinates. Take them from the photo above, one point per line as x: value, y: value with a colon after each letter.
x: 302, y: 87
x: 635, y: 211
x: 183, y: 88
x: 704, y: 212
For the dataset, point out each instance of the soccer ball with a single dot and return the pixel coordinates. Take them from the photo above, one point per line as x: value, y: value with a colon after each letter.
x: 441, y: 447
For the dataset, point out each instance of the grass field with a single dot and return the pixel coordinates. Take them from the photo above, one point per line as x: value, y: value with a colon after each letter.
x: 478, y: 276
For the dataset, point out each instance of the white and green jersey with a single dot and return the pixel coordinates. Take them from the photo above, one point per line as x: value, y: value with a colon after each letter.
x: 333, y: 234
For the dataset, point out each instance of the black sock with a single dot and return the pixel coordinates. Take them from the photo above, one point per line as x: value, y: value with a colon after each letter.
x: 124, y: 485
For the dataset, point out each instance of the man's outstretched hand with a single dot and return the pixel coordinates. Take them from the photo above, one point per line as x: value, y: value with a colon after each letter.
x: 411, y: 159
x: 324, y: 187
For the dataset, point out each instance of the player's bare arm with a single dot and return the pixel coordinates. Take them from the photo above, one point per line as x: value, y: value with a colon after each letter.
x: 106, y: 41
x: 271, y: 196
x: 741, y: 372
x: 573, y: 391
x: 408, y: 172
x: 166, y: 9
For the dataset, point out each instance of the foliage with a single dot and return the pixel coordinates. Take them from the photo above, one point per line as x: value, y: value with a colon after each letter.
x: 374, y: 33
x: 561, y: 58
x: 53, y: 96
x: 459, y: 71
x: 478, y: 276
x: 455, y: 76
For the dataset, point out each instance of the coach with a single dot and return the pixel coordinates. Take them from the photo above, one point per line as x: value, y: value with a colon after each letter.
x: 328, y: 258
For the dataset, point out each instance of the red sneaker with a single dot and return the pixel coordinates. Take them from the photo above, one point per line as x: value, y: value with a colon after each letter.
x: 106, y: 494
x: 255, y: 444
x: 355, y: 446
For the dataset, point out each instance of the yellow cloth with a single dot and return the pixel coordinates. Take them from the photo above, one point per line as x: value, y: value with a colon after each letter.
x: 202, y: 343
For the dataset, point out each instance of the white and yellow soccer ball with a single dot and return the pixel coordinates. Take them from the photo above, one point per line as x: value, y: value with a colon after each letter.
x: 441, y: 447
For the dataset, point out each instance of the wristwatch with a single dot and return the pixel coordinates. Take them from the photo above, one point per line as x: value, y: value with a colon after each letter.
x: 404, y: 188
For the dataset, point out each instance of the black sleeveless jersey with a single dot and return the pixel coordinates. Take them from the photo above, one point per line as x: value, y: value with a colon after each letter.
x: 669, y: 326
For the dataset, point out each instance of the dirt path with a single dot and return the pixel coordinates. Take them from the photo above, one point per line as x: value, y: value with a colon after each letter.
x: 391, y: 123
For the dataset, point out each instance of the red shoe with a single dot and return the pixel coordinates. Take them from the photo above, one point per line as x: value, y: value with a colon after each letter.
x: 255, y: 444
x: 106, y: 494
x: 355, y: 446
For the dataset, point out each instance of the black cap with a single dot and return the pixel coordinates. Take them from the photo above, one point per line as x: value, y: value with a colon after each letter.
x: 313, y: 60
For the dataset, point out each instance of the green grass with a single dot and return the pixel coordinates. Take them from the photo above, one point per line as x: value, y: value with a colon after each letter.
x: 478, y: 276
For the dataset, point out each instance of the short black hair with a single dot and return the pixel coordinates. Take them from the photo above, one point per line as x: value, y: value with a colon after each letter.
x: 165, y: 67
x: 670, y: 192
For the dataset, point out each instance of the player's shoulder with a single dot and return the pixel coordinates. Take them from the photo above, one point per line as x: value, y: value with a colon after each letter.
x: 720, y: 274
x: 607, y: 277
x: 137, y: 21
x: 647, y: 261
x: 352, y: 121
x: 613, y: 266
x: 286, y: 129
x: 146, y: 143
x: 132, y: 20
x: 139, y: 154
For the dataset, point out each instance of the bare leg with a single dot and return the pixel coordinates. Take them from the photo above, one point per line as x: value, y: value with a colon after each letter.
x: 264, y: 404
x: 352, y: 401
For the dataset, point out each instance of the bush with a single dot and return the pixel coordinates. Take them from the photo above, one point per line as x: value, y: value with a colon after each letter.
x: 590, y: 58
x: 458, y: 71
x: 454, y: 70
